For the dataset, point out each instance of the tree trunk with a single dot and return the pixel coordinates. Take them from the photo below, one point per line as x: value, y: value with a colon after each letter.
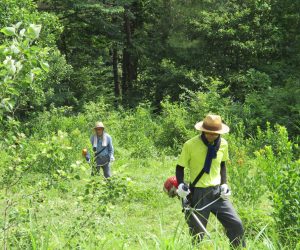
x: 115, y: 72
x: 63, y: 46
x: 126, y: 57
x: 129, y: 63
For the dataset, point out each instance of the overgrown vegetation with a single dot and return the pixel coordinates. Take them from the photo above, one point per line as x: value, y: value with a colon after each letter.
x: 45, y: 181
x: 149, y: 71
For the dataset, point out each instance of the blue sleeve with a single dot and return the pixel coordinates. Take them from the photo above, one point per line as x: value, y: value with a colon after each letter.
x: 110, y: 148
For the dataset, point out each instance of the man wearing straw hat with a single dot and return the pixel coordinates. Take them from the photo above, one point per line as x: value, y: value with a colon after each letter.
x: 205, y: 156
x: 103, y: 149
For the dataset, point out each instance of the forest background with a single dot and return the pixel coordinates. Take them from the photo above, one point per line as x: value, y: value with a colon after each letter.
x: 149, y: 70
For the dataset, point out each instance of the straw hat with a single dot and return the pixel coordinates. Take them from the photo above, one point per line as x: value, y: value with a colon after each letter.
x: 212, y: 124
x: 99, y: 125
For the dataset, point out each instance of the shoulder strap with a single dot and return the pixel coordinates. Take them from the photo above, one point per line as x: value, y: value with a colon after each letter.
x: 197, y: 178
x: 97, y: 153
x: 95, y: 146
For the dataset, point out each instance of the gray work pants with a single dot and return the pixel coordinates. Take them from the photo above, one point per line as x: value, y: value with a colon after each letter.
x: 222, y: 209
x: 106, y: 170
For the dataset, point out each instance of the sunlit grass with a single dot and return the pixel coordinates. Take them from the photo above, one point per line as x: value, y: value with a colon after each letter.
x: 145, y: 219
x: 130, y: 211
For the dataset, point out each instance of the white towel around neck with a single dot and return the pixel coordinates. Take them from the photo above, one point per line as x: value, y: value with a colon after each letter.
x: 104, y: 140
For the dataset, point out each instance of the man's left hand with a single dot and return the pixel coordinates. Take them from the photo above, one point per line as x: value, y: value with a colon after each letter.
x: 183, y: 190
x: 225, y: 192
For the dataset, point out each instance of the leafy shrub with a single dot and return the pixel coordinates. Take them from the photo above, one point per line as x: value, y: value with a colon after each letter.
x: 282, y: 177
x: 287, y: 204
x: 277, y: 139
x: 106, y: 192
x: 174, y: 126
x: 22, y: 67
x: 209, y: 100
x: 279, y: 104
x: 136, y: 131
x: 54, y: 120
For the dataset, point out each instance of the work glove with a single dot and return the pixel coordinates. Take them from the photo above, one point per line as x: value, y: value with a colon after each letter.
x: 183, y: 190
x: 88, y: 157
x: 112, y: 158
x: 225, y: 192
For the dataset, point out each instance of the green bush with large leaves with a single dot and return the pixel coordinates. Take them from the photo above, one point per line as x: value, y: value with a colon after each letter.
x: 22, y: 68
x: 281, y: 171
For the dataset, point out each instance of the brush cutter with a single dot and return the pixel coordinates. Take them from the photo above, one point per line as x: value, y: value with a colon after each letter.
x: 190, y: 211
x: 170, y: 187
x: 95, y: 165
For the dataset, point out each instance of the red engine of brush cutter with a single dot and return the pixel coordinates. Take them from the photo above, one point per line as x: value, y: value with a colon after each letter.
x: 170, y: 186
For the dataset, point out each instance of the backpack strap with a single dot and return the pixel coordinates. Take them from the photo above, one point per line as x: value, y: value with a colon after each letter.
x: 97, y: 153
x: 197, y: 178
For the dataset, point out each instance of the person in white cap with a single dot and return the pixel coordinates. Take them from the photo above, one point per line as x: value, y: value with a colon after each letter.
x: 205, y: 156
x: 103, y: 150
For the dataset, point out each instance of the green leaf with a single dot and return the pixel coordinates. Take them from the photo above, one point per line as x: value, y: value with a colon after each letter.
x: 36, y: 71
x: 13, y: 91
x: 17, y: 25
x: 45, y: 66
x: 34, y: 31
x: 14, y: 49
x: 7, y: 103
x: 22, y: 32
x: 77, y: 177
x: 12, y: 68
x: 9, y: 31
x: 2, y: 48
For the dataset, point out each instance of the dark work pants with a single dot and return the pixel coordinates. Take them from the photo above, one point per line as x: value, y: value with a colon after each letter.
x: 106, y: 170
x: 222, y: 209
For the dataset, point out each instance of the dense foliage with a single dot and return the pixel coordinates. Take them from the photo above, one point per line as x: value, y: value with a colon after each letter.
x: 42, y: 169
x: 149, y: 70
x: 135, y: 50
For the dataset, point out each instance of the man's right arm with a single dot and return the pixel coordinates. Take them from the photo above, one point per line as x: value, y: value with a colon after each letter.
x: 183, y: 162
x: 183, y: 190
x: 179, y: 174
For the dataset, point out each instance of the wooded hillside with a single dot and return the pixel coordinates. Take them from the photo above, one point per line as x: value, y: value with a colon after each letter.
x: 149, y: 70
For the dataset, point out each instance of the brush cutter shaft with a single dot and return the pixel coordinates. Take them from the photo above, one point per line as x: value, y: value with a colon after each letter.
x: 200, y: 223
x: 202, y: 208
x: 191, y: 210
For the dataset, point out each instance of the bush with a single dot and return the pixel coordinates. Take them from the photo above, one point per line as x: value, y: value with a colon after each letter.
x: 175, y: 127
x: 282, y: 177
x: 136, y: 131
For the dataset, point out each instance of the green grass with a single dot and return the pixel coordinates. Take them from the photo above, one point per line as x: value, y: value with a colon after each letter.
x: 128, y: 212
x: 141, y: 218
